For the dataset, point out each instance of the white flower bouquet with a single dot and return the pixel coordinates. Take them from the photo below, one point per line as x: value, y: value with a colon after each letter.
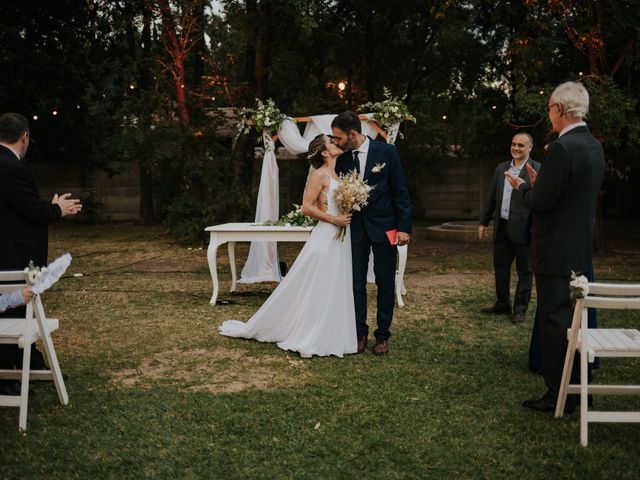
x: 351, y: 195
x: 294, y: 218
x: 264, y: 116
x: 33, y: 272
x: 578, y: 286
x: 390, y: 110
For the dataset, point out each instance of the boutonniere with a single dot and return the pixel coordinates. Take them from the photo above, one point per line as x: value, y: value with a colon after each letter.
x: 377, y: 168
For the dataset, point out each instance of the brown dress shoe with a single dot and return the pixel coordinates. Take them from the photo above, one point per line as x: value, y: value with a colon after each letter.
x: 362, y: 343
x: 381, y: 347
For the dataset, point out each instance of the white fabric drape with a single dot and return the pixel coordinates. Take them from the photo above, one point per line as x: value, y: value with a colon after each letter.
x: 262, y: 263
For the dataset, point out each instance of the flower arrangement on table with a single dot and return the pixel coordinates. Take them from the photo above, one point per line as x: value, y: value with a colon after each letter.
x: 351, y: 195
x: 390, y: 110
x: 295, y: 218
x: 264, y: 116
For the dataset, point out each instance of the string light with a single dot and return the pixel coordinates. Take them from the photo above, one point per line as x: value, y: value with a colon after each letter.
x: 494, y: 107
x: 54, y: 113
x: 541, y: 92
x: 444, y: 117
x: 35, y: 117
x: 342, y: 86
x: 132, y: 86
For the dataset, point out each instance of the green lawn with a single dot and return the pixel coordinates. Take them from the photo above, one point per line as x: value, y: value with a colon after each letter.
x: 155, y: 392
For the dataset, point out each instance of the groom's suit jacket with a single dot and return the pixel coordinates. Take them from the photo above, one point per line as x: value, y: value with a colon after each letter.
x: 389, y: 206
x: 24, y: 216
x: 518, y: 211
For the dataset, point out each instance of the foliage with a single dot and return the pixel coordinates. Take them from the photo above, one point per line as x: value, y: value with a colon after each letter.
x: 294, y: 218
x: 264, y: 116
x: 390, y: 110
x: 139, y: 82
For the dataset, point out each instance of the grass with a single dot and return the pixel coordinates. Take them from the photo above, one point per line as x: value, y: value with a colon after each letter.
x: 155, y: 392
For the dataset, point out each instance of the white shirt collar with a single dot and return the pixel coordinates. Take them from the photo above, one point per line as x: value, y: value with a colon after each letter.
x: 14, y: 152
x: 364, y: 148
x: 571, y: 127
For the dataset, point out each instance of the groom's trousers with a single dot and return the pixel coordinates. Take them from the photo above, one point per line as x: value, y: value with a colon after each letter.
x: 384, y: 267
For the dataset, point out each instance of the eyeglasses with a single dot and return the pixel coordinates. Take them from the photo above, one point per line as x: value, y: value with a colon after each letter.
x: 553, y: 105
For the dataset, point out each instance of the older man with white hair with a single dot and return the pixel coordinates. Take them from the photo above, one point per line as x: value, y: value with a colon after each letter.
x: 562, y: 200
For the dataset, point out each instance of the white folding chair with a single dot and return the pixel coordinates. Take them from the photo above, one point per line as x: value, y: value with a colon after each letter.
x: 23, y: 332
x: 600, y: 342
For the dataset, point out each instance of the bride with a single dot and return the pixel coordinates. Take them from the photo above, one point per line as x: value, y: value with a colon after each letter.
x: 312, y: 311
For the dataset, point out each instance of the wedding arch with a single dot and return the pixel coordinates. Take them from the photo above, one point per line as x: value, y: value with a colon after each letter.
x: 262, y: 263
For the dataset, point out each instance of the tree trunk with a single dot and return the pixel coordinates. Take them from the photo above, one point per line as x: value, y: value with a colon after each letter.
x: 177, y: 51
x: 146, y: 82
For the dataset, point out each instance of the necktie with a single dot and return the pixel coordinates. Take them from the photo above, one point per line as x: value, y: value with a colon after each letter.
x: 356, y: 161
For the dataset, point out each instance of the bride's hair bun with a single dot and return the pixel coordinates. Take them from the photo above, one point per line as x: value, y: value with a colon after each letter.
x: 316, y: 147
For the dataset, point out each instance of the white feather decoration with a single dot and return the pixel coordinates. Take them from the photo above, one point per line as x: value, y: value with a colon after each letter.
x: 52, y: 274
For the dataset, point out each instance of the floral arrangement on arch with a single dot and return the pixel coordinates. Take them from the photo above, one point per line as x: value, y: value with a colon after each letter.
x: 264, y: 116
x: 295, y: 218
x: 390, y: 110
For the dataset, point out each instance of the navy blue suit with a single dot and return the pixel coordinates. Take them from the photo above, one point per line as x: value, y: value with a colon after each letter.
x: 388, y: 208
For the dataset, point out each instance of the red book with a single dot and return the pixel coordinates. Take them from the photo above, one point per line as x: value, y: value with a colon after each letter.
x: 392, y: 235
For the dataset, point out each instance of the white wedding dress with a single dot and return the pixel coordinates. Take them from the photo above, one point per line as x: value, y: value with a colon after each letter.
x: 311, y: 311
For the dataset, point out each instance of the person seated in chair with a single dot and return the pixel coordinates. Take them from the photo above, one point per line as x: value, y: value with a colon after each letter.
x: 15, y: 299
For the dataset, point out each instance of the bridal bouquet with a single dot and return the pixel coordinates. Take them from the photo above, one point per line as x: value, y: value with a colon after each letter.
x: 351, y: 195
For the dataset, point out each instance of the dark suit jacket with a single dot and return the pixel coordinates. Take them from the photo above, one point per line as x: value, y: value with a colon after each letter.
x: 389, y: 206
x: 563, y: 204
x: 24, y: 216
x: 518, y: 211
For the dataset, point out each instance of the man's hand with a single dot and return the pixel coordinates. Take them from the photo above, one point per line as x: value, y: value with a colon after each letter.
x: 514, y: 180
x: 483, y: 231
x: 533, y: 175
x: 68, y: 206
x: 403, y: 238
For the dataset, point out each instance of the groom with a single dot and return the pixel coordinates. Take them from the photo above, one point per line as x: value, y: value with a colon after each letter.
x: 388, y: 209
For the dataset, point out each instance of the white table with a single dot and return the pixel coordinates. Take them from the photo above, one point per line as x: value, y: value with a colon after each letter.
x: 231, y: 233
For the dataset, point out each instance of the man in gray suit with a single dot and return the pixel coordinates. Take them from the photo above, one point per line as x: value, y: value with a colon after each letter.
x: 510, y: 216
x: 562, y: 200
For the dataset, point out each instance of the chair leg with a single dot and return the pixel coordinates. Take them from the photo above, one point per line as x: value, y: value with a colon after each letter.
x: 584, y: 389
x: 52, y: 358
x: 568, y: 360
x: 24, y: 386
